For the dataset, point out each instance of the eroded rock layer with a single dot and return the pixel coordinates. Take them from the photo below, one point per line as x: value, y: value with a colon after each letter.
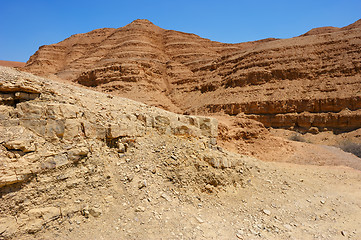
x: 313, y: 80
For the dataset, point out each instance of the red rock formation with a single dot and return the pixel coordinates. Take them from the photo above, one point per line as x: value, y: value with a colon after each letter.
x: 312, y: 80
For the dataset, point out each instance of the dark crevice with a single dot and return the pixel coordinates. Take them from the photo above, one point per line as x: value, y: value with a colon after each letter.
x: 12, y: 98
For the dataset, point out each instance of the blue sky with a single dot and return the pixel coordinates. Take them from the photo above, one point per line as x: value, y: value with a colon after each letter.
x: 25, y: 25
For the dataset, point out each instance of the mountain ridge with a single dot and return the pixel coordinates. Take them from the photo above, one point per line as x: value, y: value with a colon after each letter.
x: 185, y: 73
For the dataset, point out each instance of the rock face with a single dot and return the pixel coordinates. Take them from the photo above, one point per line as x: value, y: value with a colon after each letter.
x: 308, y: 81
x: 59, y: 141
x: 36, y: 122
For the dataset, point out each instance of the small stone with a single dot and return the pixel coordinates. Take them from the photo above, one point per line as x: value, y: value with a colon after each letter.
x: 288, y: 227
x: 323, y: 201
x: 153, y: 170
x: 166, y: 197
x: 343, y: 233
x: 95, y: 212
x: 200, y: 220
x: 140, y: 209
x: 173, y: 157
x: 121, y: 147
x: 239, y: 236
x: 267, y: 212
x: 142, y: 184
x: 253, y: 232
x: 137, y: 168
x: 109, y: 199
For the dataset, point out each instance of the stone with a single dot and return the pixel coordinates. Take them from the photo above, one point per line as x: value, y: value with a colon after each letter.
x: 162, y: 124
x: 142, y: 184
x: 34, y: 226
x: 218, y: 161
x: 8, y: 226
x: 121, y: 147
x: 95, y: 212
x: 72, y: 129
x: 55, y: 128
x: 55, y: 161
x: 266, y: 211
x: 313, y: 130
x: 140, y: 209
x: 213, y: 141
x: 166, y: 197
x: 199, y: 219
x: 209, y: 126
x: 182, y: 130
x: 287, y: 226
x: 122, y: 129
x: 94, y: 131
x: 239, y: 236
x: 47, y: 213
x: 21, y: 144
x: 77, y: 153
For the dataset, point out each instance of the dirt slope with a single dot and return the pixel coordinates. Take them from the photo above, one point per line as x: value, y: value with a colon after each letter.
x: 11, y: 64
x: 307, y: 81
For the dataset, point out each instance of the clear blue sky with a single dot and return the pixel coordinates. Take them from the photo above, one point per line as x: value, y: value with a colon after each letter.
x: 27, y: 24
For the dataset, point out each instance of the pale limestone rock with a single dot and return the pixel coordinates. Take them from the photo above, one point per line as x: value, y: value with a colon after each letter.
x: 21, y: 144
x: 95, y: 131
x: 47, y: 213
x: 77, y: 154
x: 209, y: 126
x: 8, y: 226
x: 122, y: 129
x: 72, y: 129
x: 55, y: 161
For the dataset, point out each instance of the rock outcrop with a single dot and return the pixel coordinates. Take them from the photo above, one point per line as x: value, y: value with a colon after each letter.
x: 308, y: 81
x: 59, y: 140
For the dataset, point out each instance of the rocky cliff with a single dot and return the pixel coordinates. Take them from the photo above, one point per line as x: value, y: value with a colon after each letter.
x: 308, y: 81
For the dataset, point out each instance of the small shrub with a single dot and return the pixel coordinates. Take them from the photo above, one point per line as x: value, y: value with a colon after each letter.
x: 351, y: 147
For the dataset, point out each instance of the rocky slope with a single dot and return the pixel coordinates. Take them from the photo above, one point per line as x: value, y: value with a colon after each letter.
x: 80, y: 164
x: 308, y: 81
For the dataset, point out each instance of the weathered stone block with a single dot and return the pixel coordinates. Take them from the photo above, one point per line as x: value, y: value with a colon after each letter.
x: 55, y: 161
x: 209, y: 126
x: 47, y: 213
x: 21, y: 144
x: 72, y: 129
x: 122, y: 129
x: 77, y: 154
x: 94, y: 131
x: 30, y: 110
x: 162, y: 124
x: 37, y: 126
x: 55, y: 128
x: 182, y: 130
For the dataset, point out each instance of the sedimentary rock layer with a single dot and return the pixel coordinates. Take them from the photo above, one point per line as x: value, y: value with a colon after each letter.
x: 316, y: 73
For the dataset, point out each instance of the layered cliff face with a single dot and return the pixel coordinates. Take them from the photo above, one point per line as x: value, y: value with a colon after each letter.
x: 313, y: 80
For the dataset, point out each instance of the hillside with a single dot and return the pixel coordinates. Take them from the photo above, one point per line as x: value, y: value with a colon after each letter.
x: 303, y: 82
x: 80, y: 164
x: 11, y: 64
